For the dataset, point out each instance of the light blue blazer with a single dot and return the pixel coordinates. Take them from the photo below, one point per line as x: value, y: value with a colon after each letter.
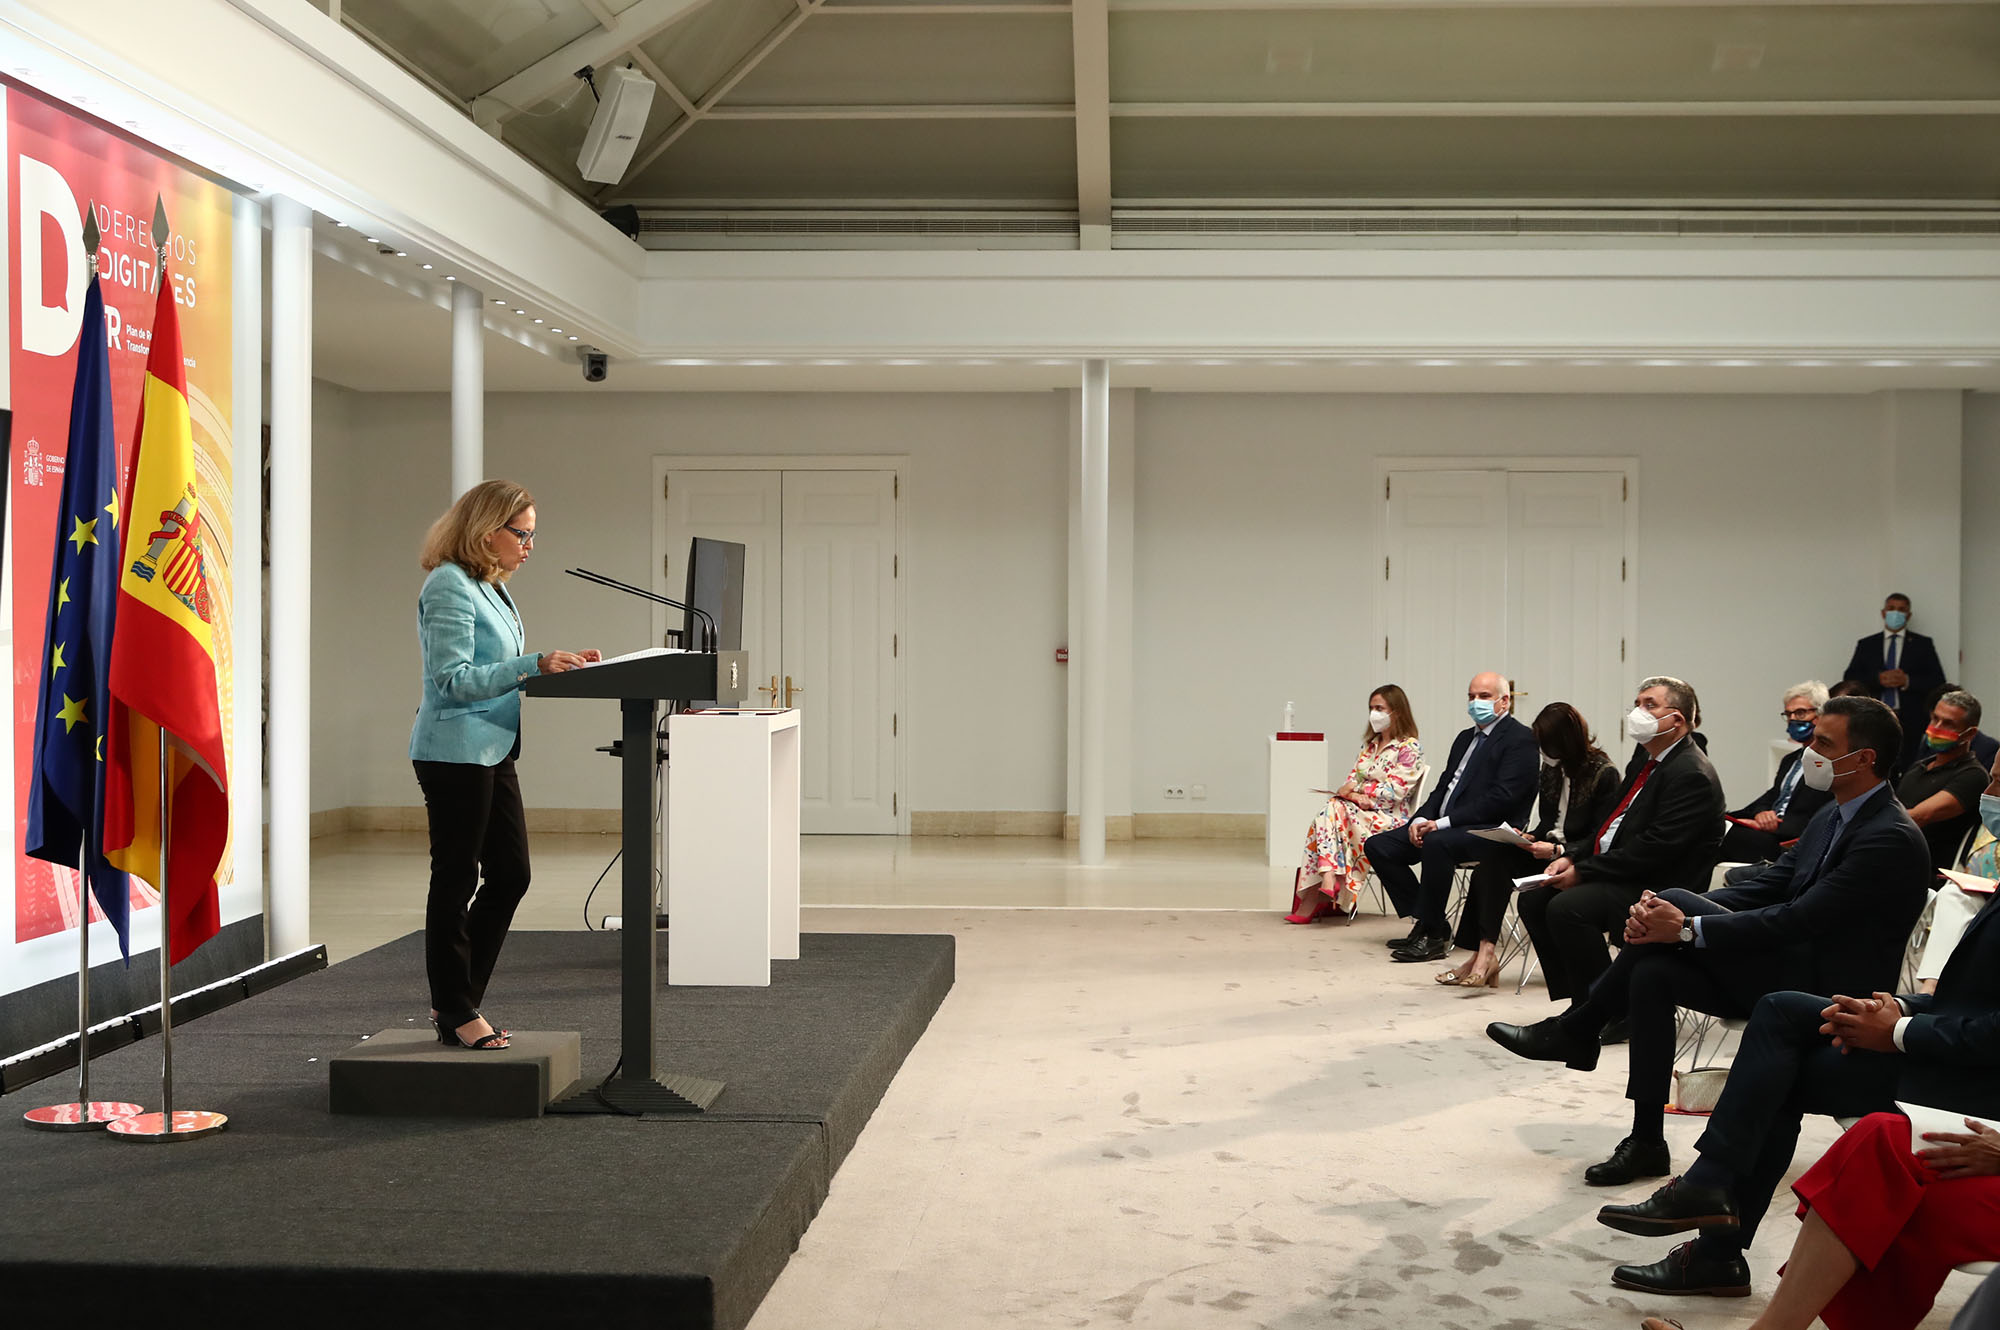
x: 475, y: 657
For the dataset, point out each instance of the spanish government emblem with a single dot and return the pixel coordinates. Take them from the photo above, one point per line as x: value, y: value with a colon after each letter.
x: 174, y: 555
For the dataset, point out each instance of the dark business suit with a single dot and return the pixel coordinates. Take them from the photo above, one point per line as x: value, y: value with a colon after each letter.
x: 1748, y: 845
x: 1786, y: 1068
x: 1668, y: 839
x: 1498, y: 786
x: 1917, y: 658
x: 1824, y: 918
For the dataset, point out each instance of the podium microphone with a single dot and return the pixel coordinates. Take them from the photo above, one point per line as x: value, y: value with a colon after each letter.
x: 710, y: 638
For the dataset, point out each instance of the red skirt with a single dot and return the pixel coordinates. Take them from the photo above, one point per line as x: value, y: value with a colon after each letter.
x: 1905, y: 1225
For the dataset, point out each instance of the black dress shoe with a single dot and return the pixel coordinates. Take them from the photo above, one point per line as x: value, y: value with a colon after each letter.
x: 1544, y: 1041
x: 1617, y: 1032
x: 1685, y: 1270
x: 1629, y: 1162
x: 1674, y: 1208
x: 1415, y: 935
x: 1423, y: 949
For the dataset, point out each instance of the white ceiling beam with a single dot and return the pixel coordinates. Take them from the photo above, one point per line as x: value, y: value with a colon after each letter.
x: 659, y: 76
x: 1546, y: 110
x: 699, y: 111
x: 554, y: 71
x: 932, y: 9
x: 1090, y: 44
x: 1002, y: 111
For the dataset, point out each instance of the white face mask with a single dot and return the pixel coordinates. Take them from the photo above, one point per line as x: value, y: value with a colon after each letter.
x: 1642, y: 725
x: 1816, y: 770
x: 1378, y: 721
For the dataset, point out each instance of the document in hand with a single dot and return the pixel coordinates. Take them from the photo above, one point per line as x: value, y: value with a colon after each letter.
x: 1524, y: 883
x: 1978, y: 886
x: 1504, y: 834
x: 1925, y: 1119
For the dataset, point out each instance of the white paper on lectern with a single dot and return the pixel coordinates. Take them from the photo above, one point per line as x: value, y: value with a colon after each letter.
x: 638, y: 655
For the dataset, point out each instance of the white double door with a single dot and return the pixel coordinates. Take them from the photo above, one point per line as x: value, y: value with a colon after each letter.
x: 1525, y: 572
x: 819, y: 620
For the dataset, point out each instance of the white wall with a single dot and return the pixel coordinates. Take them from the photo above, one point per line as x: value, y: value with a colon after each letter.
x: 987, y: 512
x: 1254, y: 534
x: 1256, y: 543
x: 1980, y: 555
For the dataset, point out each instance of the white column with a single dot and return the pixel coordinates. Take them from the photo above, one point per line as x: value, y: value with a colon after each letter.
x: 291, y: 575
x: 1095, y: 574
x: 468, y: 390
x: 246, y: 626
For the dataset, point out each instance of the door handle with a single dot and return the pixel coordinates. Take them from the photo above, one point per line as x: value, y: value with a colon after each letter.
x: 771, y: 691
x: 790, y: 689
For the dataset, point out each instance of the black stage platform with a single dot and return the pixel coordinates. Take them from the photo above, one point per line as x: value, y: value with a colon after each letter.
x: 297, y: 1217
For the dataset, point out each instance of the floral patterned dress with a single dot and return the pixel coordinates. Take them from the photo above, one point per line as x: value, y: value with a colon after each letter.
x: 1384, y: 773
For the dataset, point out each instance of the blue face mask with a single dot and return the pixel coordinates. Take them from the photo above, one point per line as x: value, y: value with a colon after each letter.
x: 1989, y: 812
x: 1895, y: 619
x: 1799, y: 731
x: 1482, y: 710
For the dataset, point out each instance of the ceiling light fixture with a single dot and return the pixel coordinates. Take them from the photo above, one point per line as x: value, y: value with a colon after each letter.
x: 499, y: 302
x: 427, y: 267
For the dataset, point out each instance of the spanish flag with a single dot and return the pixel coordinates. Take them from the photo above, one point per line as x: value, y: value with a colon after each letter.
x: 163, y: 663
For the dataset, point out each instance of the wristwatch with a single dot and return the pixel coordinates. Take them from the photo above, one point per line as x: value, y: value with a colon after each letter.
x: 1687, y: 930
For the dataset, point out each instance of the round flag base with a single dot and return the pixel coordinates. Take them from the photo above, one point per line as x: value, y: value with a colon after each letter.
x: 93, y: 1116
x: 189, y: 1124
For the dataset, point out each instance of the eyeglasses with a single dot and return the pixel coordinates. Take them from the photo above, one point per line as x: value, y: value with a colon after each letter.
x: 525, y: 537
x: 1800, y: 713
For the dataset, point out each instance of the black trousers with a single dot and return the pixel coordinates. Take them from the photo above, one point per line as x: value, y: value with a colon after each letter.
x: 1570, y: 931
x: 1649, y: 980
x: 1390, y: 854
x: 477, y: 828
x: 1784, y: 1070
x: 1491, y: 888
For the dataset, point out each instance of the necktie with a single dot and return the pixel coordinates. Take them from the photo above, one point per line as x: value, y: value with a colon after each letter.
x: 1892, y: 697
x: 1456, y: 776
x: 1786, y: 789
x: 1645, y: 774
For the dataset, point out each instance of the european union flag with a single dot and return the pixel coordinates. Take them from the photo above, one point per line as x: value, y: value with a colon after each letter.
x: 66, y: 794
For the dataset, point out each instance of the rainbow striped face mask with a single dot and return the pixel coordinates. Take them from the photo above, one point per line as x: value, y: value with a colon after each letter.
x: 1939, y: 739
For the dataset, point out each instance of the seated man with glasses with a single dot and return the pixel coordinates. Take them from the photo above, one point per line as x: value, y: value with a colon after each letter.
x: 1760, y: 830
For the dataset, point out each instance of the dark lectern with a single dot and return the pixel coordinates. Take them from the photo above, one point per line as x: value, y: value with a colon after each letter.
x: 640, y: 685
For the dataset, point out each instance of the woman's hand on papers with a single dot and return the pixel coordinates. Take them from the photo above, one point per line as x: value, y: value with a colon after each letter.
x: 1971, y: 1154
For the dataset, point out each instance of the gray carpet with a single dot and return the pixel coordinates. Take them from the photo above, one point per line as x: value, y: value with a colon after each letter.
x: 343, y: 1220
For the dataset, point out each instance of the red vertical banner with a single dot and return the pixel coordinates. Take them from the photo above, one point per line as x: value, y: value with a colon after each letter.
x: 59, y: 163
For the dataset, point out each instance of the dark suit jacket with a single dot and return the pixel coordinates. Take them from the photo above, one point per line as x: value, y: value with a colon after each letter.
x: 1670, y: 831
x: 1919, y: 661
x: 1805, y: 801
x: 1842, y: 928
x: 1589, y: 804
x: 1500, y: 784
x: 1951, y: 1050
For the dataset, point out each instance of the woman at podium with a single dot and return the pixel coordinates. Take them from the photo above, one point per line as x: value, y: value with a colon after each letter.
x: 463, y: 745
x: 1375, y: 797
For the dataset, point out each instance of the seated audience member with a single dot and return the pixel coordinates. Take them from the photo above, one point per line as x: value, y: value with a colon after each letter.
x: 1883, y: 1227
x: 1899, y: 668
x: 1489, y: 779
x: 1985, y: 748
x: 1955, y: 905
x: 1579, y: 786
x: 1776, y: 817
x: 1941, y: 790
x: 1661, y: 832
x: 1376, y: 796
x: 1801, y: 1054
x: 1832, y: 915
x: 1852, y: 688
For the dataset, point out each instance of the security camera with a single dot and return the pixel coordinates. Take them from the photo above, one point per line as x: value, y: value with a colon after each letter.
x: 595, y: 365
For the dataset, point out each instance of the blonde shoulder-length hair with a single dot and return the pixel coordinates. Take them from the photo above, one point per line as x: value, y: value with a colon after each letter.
x: 460, y: 535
